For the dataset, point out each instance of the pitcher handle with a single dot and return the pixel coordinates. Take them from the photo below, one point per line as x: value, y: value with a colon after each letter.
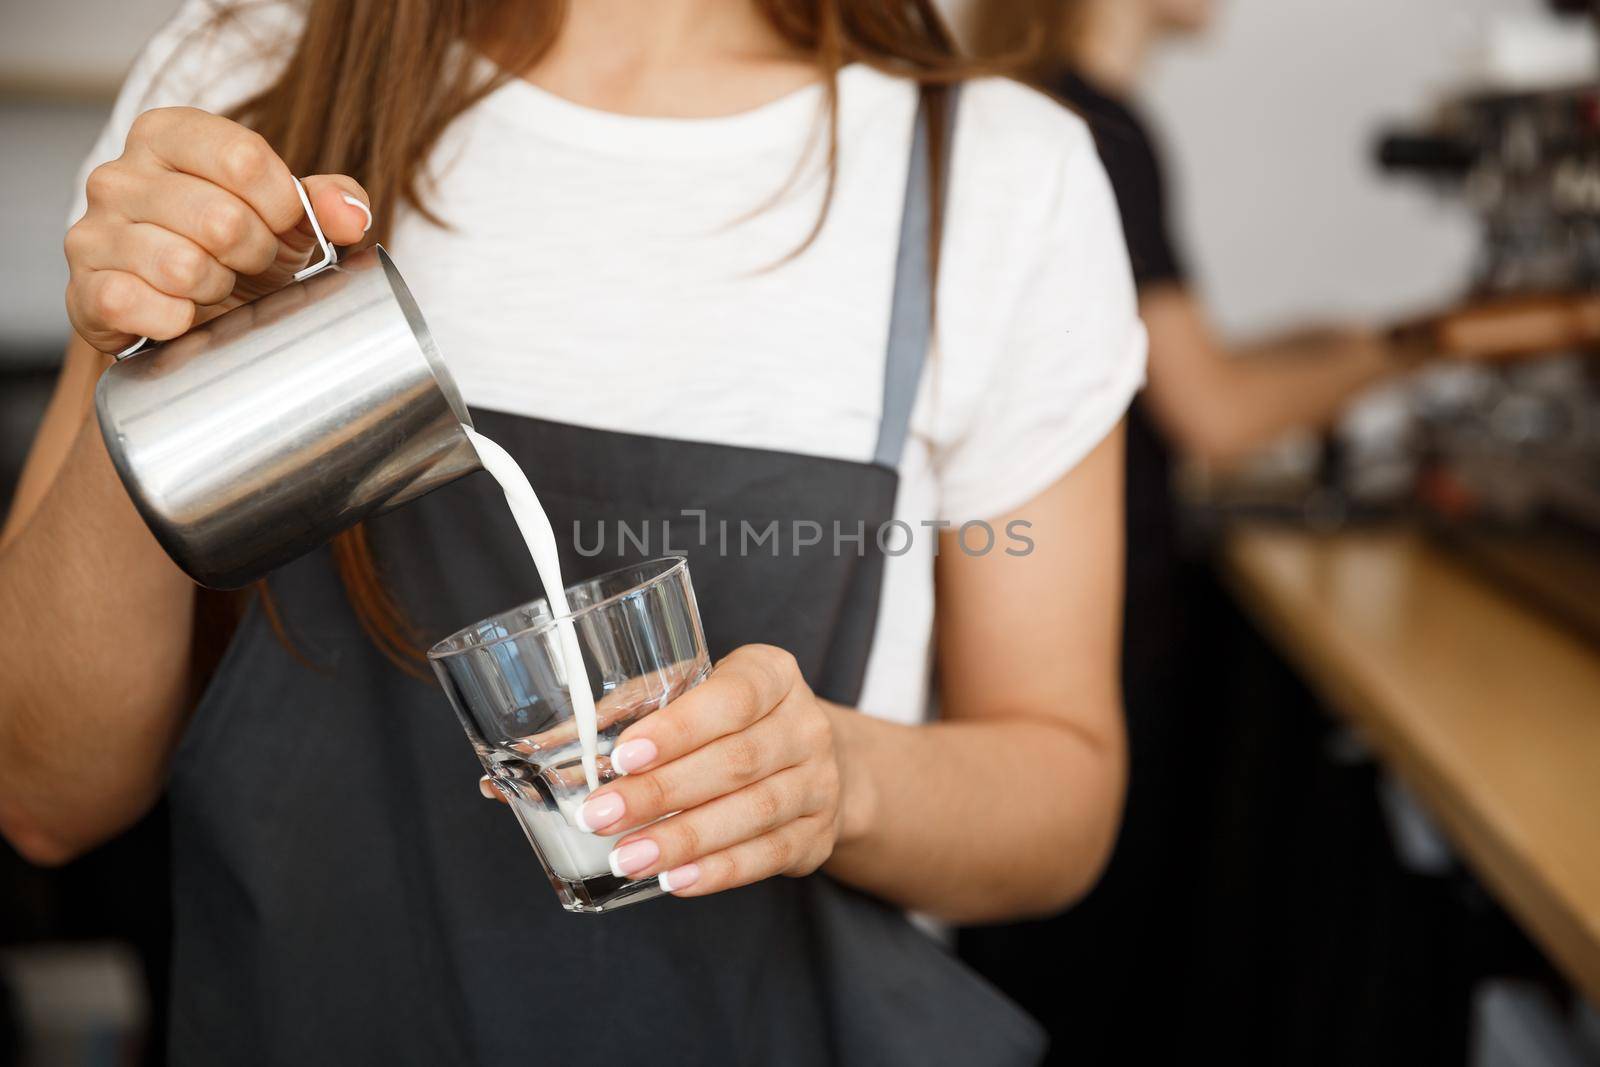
x: 330, y: 256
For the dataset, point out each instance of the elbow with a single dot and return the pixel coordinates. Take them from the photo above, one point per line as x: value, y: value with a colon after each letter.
x: 1076, y: 883
x: 1083, y: 862
x: 52, y: 832
x: 37, y: 840
x: 1070, y: 859
x: 35, y: 843
x: 44, y: 851
x: 1043, y: 892
x: 1081, y: 848
x: 38, y: 828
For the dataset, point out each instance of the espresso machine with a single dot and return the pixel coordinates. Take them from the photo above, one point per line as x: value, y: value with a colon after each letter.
x: 1506, y: 438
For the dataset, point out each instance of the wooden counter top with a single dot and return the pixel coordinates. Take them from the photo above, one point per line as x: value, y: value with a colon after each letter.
x: 1488, y: 711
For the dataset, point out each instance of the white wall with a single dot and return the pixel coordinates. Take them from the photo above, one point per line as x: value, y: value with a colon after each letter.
x: 60, y: 64
x: 82, y: 47
x: 41, y: 146
x: 1269, y: 122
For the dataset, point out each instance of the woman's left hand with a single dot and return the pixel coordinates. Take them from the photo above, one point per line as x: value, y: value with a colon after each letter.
x: 748, y: 761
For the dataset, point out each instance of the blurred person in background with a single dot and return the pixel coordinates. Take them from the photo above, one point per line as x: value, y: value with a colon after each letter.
x: 1122, y: 952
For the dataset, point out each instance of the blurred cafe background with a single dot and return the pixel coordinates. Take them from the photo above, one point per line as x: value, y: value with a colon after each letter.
x: 1392, y: 769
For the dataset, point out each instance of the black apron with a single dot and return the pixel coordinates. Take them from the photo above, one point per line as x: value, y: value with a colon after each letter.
x: 344, y: 895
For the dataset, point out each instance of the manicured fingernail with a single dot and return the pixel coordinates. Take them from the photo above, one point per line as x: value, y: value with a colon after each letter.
x: 632, y: 857
x: 679, y: 877
x: 599, y: 812
x: 487, y: 788
x: 365, y: 210
x: 631, y: 756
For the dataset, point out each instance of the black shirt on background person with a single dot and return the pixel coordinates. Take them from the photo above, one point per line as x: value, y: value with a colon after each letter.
x: 1131, y: 163
x: 1121, y: 950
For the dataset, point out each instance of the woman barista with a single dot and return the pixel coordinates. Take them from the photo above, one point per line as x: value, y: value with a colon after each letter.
x: 1128, y: 940
x: 679, y: 256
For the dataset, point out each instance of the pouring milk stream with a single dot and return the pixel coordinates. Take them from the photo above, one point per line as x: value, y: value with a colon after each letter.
x: 541, y: 539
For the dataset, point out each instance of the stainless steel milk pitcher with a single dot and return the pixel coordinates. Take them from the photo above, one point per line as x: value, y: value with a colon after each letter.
x: 259, y: 435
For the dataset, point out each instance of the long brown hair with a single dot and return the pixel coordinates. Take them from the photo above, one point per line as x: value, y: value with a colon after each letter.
x: 370, y: 86
x: 1027, y: 38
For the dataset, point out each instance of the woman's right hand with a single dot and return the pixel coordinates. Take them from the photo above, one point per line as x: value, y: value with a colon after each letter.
x: 198, y: 215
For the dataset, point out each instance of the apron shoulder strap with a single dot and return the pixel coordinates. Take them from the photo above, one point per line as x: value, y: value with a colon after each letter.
x: 911, y: 314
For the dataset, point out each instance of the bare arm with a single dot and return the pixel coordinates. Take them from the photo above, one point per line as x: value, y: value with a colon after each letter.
x: 196, y: 216
x: 1007, y: 807
x: 1009, y: 804
x: 96, y: 657
x: 1219, y: 406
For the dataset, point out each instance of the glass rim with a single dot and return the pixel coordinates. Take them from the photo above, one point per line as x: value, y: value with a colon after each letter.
x: 676, y: 564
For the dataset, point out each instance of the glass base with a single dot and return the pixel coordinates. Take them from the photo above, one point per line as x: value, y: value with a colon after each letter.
x: 603, y: 893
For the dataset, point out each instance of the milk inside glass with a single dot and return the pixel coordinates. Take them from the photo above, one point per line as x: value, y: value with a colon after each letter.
x: 542, y: 776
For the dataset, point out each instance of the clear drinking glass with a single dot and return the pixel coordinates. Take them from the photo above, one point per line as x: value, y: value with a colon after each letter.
x: 639, y: 629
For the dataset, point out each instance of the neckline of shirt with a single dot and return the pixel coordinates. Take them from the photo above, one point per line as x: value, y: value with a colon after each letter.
x: 783, y: 122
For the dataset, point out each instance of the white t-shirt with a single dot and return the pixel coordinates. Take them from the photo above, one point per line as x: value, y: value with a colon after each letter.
x: 618, y: 272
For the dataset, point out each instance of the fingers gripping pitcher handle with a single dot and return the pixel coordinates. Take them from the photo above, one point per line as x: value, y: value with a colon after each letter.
x: 330, y: 256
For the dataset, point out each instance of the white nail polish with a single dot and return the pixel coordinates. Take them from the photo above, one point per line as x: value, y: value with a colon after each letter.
x: 616, y: 868
x: 661, y: 880
x: 353, y: 202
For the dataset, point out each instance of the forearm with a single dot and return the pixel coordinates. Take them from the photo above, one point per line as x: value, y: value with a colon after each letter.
x: 1302, y: 381
x: 1268, y: 390
x: 1218, y: 405
x: 97, y: 623
x: 975, y: 821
